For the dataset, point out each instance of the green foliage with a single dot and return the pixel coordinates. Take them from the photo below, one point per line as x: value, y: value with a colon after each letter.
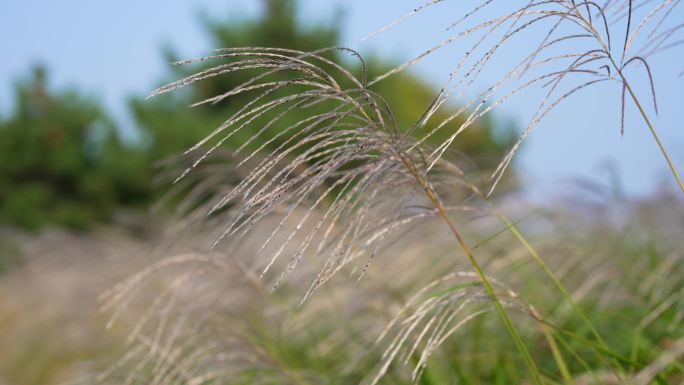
x: 61, y: 161
x: 9, y: 253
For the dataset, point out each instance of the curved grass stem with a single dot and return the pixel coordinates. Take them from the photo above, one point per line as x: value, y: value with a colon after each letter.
x: 673, y: 169
x: 515, y: 335
x: 556, y: 281
x: 632, y: 94
x: 540, y: 261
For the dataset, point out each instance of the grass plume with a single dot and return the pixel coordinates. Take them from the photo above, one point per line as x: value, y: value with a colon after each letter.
x: 345, y: 180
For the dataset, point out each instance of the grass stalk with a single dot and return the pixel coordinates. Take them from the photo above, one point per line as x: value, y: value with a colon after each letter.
x: 557, y: 355
x: 540, y: 261
x: 515, y: 335
x: 632, y: 94
x: 654, y: 133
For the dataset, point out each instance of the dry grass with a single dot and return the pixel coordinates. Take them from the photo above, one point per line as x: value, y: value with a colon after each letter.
x: 345, y: 181
x: 206, y: 317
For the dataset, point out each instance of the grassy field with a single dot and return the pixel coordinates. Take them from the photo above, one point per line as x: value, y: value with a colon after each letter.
x: 182, y: 314
x: 331, y: 244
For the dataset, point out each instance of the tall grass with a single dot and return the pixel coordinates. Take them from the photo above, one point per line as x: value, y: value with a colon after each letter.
x: 206, y: 316
x: 345, y: 181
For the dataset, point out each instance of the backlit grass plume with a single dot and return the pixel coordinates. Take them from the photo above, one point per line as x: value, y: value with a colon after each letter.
x: 576, y: 45
x: 343, y: 180
x: 356, y: 175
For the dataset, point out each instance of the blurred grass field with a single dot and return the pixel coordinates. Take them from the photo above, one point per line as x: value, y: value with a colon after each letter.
x: 622, y: 263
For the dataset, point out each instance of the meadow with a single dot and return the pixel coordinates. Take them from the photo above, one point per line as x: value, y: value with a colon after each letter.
x: 318, y: 237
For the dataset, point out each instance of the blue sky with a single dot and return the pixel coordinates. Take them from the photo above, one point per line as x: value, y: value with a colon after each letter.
x: 112, y: 50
